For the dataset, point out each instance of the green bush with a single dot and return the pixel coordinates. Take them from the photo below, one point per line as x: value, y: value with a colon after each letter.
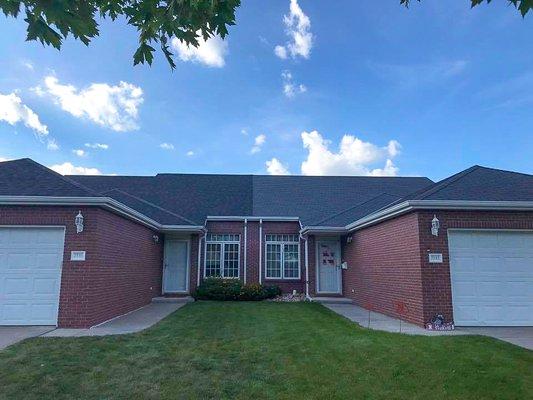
x: 233, y: 289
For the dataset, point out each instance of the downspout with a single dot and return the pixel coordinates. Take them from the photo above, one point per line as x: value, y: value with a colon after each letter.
x: 261, y: 251
x: 307, y: 297
x: 199, y: 266
x: 245, y: 247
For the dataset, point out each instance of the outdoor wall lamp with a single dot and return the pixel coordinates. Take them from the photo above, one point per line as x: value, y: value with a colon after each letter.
x: 435, y: 225
x: 79, y: 222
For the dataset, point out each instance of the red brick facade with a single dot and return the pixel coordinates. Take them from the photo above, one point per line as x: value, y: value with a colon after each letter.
x: 384, y: 268
x: 122, y: 271
x: 388, y: 262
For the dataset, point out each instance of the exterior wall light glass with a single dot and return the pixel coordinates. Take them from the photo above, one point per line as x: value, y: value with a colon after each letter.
x: 79, y: 222
x: 435, y: 225
x: 155, y: 238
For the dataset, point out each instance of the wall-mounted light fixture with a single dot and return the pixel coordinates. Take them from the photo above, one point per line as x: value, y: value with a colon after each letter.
x: 155, y: 238
x: 435, y: 225
x: 79, y: 222
x: 349, y: 239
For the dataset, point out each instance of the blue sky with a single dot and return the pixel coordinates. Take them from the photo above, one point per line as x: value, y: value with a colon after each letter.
x: 371, y: 88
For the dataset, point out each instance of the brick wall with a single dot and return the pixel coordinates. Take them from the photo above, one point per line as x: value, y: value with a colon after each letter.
x: 113, y: 279
x: 384, y: 268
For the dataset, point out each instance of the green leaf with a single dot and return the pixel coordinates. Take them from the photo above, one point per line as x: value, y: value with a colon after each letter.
x: 144, y: 53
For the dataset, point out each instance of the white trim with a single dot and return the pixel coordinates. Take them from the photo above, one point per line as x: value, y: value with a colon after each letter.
x: 282, y: 260
x: 249, y: 218
x: 187, y: 271
x: 318, y: 240
x: 245, y: 267
x: 223, y: 255
x: 306, y: 267
x: 105, y: 202
x: 410, y: 205
x: 260, y: 251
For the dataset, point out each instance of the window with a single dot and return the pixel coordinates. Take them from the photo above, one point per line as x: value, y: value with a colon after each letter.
x: 282, y: 257
x: 222, y: 255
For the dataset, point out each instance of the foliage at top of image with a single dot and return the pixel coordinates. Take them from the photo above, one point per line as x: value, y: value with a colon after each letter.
x: 157, y: 21
x: 50, y: 22
x: 521, y: 5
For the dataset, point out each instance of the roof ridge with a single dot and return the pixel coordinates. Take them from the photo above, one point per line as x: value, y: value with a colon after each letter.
x: 62, y: 177
x: 438, y: 186
x: 151, y: 204
x: 504, y: 170
x: 352, y: 207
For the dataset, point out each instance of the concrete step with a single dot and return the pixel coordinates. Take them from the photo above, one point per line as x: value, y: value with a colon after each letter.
x: 333, y: 300
x: 162, y: 299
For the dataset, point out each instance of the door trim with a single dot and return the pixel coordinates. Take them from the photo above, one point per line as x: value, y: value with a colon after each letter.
x: 187, y: 270
x: 317, y: 265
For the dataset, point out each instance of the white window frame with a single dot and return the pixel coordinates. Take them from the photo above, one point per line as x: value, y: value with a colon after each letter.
x: 283, y: 243
x: 236, y: 240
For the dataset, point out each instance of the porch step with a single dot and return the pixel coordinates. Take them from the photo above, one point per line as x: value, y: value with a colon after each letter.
x: 333, y: 300
x: 185, y: 299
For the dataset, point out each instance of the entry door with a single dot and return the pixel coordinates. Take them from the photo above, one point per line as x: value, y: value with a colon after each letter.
x: 492, y: 277
x: 176, y: 267
x: 329, y: 266
x: 30, y: 275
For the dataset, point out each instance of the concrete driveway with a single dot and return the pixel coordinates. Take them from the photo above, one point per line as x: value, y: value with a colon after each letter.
x: 520, y: 335
x: 12, y: 334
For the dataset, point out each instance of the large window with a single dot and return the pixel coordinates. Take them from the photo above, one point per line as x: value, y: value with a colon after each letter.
x: 222, y: 255
x: 282, y: 257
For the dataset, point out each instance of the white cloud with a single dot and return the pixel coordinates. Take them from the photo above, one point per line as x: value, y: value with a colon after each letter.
x: 167, y: 146
x: 244, y: 131
x: 298, y: 28
x: 354, y: 157
x: 52, y: 145
x: 2, y: 159
x: 28, y: 65
x: 259, y: 141
x: 70, y: 169
x: 115, y: 107
x: 79, y: 152
x: 210, y: 52
x: 276, y: 167
x: 190, y: 153
x: 291, y: 89
x: 99, y: 146
x: 12, y: 110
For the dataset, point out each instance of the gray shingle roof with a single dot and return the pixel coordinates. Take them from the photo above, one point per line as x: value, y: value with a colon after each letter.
x: 480, y: 184
x: 25, y: 177
x: 187, y: 199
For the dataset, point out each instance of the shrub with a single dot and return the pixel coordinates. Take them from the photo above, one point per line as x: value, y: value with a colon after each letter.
x: 233, y: 289
x: 218, y: 289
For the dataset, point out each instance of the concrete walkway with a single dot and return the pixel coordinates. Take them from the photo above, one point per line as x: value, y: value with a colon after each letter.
x: 132, y: 322
x: 520, y: 336
x: 12, y: 334
x: 383, y: 322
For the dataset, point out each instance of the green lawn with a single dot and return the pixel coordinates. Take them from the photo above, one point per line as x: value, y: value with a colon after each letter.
x: 264, y: 351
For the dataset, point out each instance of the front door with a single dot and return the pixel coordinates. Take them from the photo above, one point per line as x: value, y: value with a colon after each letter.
x: 329, y: 272
x: 176, y: 267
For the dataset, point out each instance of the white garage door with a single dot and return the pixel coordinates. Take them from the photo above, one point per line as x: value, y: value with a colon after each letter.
x: 492, y: 277
x: 30, y: 275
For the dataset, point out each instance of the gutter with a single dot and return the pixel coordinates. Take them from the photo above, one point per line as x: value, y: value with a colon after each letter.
x: 249, y: 218
x: 104, y: 202
x: 411, y: 205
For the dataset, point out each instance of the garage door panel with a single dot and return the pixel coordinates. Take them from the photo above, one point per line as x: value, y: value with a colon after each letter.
x: 498, y: 290
x: 30, y: 275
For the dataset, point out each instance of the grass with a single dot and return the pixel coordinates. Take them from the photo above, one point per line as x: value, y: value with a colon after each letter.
x: 210, y: 350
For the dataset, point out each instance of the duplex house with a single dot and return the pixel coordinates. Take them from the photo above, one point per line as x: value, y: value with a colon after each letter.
x: 79, y: 250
